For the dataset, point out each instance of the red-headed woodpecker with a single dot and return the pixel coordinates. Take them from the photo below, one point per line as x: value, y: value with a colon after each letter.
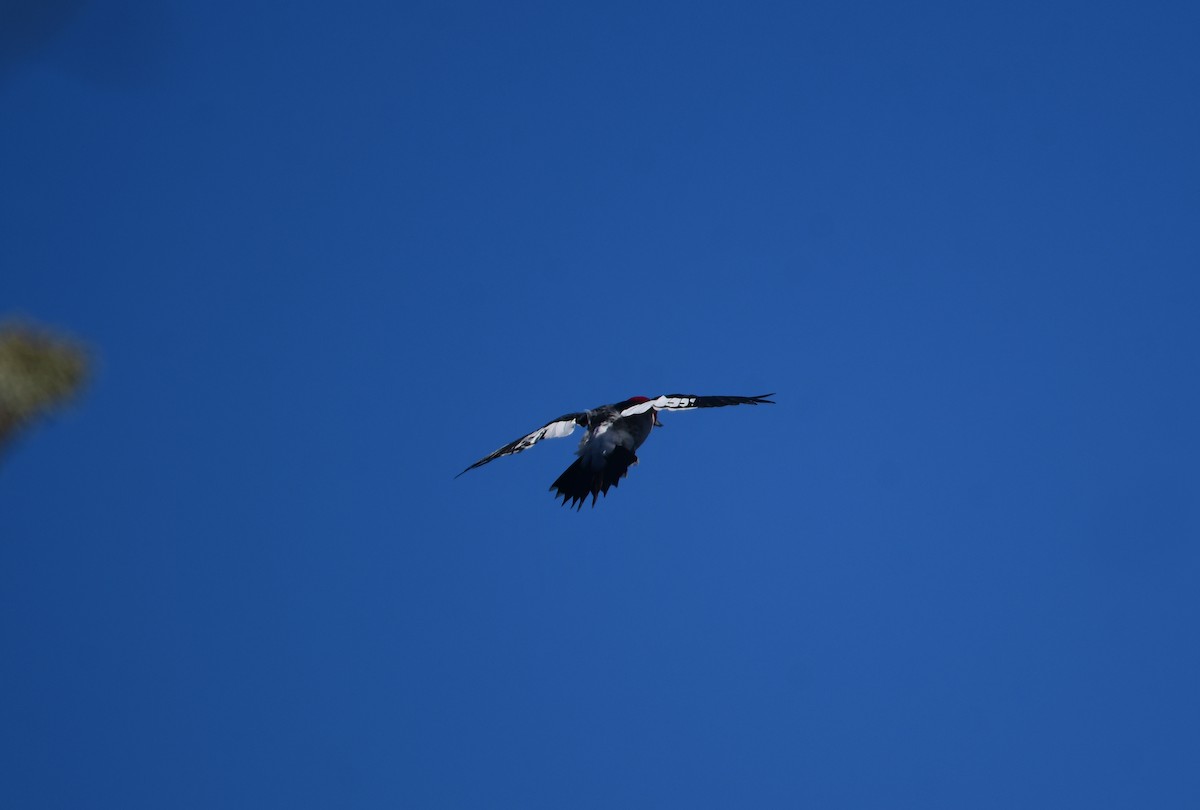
x: 614, y: 433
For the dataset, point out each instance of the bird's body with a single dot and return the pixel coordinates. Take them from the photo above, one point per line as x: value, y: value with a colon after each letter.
x: 609, y: 445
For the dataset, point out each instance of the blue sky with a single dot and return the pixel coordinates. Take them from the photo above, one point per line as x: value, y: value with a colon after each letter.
x: 327, y: 257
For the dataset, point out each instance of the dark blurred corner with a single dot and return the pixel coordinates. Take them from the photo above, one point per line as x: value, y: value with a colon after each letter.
x: 27, y: 27
x: 116, y: 42
x: 40, y: 371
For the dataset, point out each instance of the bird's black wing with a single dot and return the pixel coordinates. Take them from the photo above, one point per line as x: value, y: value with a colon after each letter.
x: 555, y: 429
x: 686, y: 402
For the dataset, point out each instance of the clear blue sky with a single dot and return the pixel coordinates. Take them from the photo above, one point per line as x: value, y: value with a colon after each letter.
x: 328, y: 255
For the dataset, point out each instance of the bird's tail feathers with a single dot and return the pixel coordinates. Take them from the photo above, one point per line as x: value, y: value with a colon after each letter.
x: 582, y: 479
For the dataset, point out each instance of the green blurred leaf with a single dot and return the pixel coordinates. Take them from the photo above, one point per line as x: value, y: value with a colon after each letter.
x: 39, y: 372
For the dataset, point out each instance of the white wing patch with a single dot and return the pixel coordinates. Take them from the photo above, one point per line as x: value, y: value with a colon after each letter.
x: 557, y: 430
x: 564, y: 426
x: 641, y: 407
x: 554, y: 430
x: 663, y: 403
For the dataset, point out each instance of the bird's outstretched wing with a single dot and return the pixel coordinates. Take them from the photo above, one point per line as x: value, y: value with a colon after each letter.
x: 555, y: 429
x: 686, y: 402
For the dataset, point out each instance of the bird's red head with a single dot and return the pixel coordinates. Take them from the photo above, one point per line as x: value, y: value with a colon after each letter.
x: 638, y: 399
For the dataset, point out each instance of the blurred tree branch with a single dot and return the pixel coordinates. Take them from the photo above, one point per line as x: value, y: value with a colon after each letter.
x: 39, y: 372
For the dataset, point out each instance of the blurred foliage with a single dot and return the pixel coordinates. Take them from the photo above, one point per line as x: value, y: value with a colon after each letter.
x: 39, y: 371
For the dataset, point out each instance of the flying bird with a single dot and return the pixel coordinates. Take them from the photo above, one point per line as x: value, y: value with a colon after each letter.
x: 613, y: 434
